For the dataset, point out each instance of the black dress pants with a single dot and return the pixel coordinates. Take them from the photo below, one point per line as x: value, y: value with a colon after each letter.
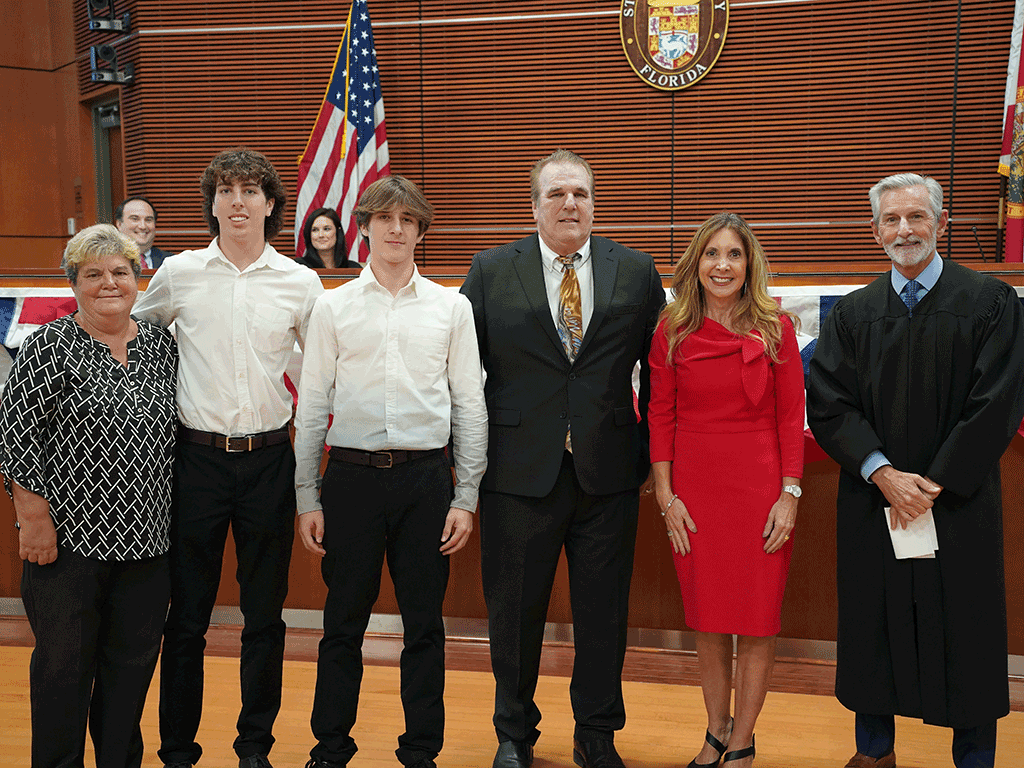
x: 370, y: 512
x: 97, y: 626
x: 521, y: 540
x: 254, y: 492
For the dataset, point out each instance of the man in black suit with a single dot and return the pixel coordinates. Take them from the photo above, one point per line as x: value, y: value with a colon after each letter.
x: 562, y: 318
x: 136, y: 217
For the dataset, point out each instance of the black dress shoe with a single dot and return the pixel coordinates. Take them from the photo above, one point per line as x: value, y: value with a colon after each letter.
x: 595, y: 753
x: 513, y: 754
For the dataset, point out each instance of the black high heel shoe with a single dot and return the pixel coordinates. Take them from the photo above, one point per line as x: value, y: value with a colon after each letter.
x: 739, y: 754
x: 718, y: 746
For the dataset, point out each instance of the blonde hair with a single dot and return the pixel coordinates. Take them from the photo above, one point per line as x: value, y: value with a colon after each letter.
x: 756, y: 314
x: 95, y: 242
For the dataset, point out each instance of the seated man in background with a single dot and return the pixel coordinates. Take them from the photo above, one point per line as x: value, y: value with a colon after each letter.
x: 136, y: 217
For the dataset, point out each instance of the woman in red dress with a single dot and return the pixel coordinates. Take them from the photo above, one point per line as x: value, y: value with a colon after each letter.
x: 726, y: 418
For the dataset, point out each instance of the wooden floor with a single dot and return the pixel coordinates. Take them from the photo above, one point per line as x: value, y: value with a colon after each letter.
x: 802, y: 725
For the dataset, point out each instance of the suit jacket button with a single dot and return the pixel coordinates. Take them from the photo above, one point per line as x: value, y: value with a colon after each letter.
x: 572, y: 377
x: 561, y: 415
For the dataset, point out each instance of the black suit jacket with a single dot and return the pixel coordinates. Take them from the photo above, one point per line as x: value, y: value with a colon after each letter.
x: 532, y: 389
x: 157, y: 256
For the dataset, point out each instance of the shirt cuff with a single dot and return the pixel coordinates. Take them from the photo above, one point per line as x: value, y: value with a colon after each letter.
x: 874, y: 461
x: 465, y: 498
x: 307, y: 499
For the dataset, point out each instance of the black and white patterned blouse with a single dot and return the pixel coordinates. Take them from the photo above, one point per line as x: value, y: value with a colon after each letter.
x: 93, y: 437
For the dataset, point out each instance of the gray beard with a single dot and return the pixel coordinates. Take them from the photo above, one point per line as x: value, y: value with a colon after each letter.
x: 927, y: 249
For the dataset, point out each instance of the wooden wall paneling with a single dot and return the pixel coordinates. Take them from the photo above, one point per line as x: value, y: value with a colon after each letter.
x: 774, y: 195
x: 809, y: 605
x: 31, y: 205
x: 41, y: 32
x: 809, y: 105
x: 10, y: 563
x: 17, y: 252
x: 38, y: 174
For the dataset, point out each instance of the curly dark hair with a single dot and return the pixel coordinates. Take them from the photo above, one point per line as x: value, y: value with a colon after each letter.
x: 244, y: 165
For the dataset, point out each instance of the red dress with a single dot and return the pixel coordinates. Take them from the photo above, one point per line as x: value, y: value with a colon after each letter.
x: 731, y: 422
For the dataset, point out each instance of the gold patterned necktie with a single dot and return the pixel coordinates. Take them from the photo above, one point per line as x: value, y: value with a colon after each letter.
x: 570, y: 312
x: 570, y: 317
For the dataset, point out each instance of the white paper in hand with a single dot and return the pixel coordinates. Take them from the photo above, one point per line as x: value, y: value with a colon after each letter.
x: 918, y: 539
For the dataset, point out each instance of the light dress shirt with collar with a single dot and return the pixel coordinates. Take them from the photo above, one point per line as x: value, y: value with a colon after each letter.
x: 397, y: 372
x: 236, y: 332
x: 553, y: 280
x: 928, y: 278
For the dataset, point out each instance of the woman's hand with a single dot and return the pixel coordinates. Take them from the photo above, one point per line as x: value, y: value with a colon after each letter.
x: 37, y: 537
x: 37, y: 541
x: 677, y: 519
x: 781, y: 520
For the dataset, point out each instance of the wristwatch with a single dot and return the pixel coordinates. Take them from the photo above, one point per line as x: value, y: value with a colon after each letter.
x: 793, y: 489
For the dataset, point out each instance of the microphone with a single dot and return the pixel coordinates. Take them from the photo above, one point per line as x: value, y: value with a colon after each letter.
x: 981, y: 250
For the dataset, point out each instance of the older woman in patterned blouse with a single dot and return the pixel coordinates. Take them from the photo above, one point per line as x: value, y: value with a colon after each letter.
x: 87, y: 429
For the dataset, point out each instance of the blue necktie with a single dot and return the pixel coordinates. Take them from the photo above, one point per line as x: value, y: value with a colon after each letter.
x: 909, y: 295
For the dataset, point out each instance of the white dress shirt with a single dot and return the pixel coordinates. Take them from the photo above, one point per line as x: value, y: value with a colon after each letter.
x: 397, y: 372
x: 236, y: 332
x: 553, y: 280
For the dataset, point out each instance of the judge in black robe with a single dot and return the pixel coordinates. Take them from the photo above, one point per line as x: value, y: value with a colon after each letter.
x: 938, y: 393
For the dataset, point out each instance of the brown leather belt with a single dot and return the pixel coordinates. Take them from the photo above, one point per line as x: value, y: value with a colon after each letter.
x: 381, y: 459
x: 234, y: 444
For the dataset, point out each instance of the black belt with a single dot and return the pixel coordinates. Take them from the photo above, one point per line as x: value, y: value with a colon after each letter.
x: 381, y: 459
x: 234, y: 444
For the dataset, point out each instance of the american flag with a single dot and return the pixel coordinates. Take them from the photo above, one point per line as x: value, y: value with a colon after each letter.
x: 22, y: 310
x: 348, y: 148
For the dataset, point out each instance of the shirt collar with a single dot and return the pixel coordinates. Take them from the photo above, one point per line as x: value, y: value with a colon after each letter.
x: 266, y: 258
x: 928, y: 278
x: 548, y: 256
x: 368, y: 281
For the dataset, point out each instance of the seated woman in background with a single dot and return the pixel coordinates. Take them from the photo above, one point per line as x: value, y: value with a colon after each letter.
x: 726, y: 418
x: 87, y: 434
x: 325, y: 241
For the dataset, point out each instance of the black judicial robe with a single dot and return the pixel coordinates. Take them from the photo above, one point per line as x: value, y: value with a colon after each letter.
x: 939, y: 394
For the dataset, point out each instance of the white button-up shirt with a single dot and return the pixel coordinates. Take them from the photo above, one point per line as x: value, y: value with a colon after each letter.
x: 553, y: 280
x: 236, y: 332
x: 397, y: 372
